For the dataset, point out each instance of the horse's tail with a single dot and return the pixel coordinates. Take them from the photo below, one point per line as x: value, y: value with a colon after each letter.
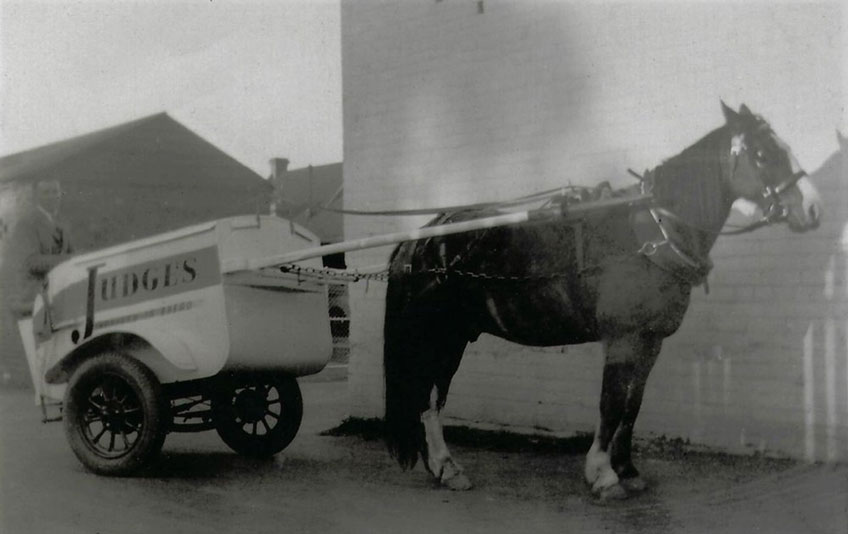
x: 407, y: 384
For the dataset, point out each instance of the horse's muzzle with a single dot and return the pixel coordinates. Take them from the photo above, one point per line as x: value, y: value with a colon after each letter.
x: 807, y: 214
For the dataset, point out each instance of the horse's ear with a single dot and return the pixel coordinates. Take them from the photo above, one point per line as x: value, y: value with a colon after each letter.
x: 730, y: 116
x: 743, y: 110
x: 843, y: 142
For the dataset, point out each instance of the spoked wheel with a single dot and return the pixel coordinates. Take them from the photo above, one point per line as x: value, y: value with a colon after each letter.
x: 258, y: 414
x: 115, y: 415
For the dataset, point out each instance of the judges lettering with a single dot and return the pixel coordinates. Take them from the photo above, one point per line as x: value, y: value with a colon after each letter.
x: 151, y: 279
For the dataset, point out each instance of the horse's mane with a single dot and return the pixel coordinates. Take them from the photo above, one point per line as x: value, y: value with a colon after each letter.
x: 690, y: 184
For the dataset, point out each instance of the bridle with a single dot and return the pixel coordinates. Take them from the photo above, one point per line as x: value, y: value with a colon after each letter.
x: 774, y: 210
x: 660, y: 246
x: 777, y: 210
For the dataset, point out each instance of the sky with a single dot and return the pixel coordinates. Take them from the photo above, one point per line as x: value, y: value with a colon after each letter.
x: 257, y: 78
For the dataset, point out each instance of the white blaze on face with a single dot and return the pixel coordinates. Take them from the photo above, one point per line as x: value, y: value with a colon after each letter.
x: 809, y: 193
x: 745, y: 207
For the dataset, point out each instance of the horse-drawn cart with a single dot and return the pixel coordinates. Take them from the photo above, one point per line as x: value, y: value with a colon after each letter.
x: 196, y: 329
x: 207, y: 327
x: 165, y: 334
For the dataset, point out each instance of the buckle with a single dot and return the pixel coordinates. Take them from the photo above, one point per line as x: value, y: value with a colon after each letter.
x: 649, y: 248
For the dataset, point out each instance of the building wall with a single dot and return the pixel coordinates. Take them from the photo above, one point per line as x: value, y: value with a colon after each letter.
x: 763, y: 357
x: 445, y: 104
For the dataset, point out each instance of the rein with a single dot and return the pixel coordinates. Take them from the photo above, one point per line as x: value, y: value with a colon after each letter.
x: 518, y: 201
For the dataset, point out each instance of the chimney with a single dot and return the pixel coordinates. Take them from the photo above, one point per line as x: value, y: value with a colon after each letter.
x: 279, y: 168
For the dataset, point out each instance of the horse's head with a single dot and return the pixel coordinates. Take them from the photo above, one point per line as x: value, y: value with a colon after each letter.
x: 764, y: 171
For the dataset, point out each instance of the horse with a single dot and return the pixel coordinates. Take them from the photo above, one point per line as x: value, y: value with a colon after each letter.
x: 622, y: 277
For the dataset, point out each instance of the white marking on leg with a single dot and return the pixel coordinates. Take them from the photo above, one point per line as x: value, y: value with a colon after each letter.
x: 437, y: 449
x: 599, y: 472
x: 439, y: 459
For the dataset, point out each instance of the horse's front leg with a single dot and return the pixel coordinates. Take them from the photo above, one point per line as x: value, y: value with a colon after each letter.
x: 627, y: 358
x: 437, y: 457
x: 621, y: 447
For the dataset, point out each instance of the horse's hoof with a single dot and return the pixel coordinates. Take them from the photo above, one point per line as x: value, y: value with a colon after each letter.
x: 616, y: 492
x: 634, y: 484
x: 458, y: 482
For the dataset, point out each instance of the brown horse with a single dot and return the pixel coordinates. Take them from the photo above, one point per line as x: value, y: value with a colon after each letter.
x: 622, y: 277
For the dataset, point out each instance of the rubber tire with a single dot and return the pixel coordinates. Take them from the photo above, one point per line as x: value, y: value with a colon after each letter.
x: 280, y: 435
x: 154, y: 407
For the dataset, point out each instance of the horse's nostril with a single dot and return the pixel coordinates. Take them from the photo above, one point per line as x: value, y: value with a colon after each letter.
x: 815, y: 213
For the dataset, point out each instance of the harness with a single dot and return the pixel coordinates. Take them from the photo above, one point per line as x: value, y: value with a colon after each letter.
x: 659, y: 229
x: 663, y: 245
x: 662, y: 236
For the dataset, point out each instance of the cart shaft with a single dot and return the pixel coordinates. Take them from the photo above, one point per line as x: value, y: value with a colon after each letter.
x: 572, y: 212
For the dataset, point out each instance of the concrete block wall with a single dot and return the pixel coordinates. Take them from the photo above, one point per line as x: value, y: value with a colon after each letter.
x: 765, y: 354
x: 444, y: 104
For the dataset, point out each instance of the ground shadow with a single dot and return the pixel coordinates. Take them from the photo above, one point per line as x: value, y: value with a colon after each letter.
x: 463, y: 436
x: 200, y: 465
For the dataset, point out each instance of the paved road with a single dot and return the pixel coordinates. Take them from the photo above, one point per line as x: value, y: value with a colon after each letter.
x: 346, y: 484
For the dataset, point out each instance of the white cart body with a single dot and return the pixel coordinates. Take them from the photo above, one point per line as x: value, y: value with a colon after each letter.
x: 183, y: 304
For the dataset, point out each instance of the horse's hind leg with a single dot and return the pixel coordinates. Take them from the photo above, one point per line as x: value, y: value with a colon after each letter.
x: 628, y: 361
x: 437, y: 457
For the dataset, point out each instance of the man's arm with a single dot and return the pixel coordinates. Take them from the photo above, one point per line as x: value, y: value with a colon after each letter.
x: 29, y: 242
x: 40, y: 264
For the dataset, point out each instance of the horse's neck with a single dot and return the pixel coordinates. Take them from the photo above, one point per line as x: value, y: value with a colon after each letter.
x: 692, y: 185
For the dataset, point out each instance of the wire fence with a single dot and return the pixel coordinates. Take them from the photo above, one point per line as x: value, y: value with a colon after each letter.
x: 339, y: 310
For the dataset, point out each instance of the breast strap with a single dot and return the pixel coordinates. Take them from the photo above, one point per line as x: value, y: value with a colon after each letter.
x: 664, y: 246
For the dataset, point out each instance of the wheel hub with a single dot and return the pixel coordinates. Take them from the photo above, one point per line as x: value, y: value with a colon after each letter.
x: 250, y: 405
x: 113, y: 416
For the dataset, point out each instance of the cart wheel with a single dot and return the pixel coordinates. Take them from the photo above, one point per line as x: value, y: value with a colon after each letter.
x: 258, y: 415
x: 115, y: 414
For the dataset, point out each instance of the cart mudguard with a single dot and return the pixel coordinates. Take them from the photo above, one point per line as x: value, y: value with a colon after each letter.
x: 179, y: 338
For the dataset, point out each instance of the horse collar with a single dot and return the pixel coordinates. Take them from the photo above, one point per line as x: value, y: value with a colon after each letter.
x: 662, y: 246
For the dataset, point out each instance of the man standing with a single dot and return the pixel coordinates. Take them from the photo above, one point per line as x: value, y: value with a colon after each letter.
x: 36, y: 243
x: 39, y: 242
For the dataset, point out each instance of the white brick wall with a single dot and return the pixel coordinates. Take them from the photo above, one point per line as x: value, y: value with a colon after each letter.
x: 443, y: 105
